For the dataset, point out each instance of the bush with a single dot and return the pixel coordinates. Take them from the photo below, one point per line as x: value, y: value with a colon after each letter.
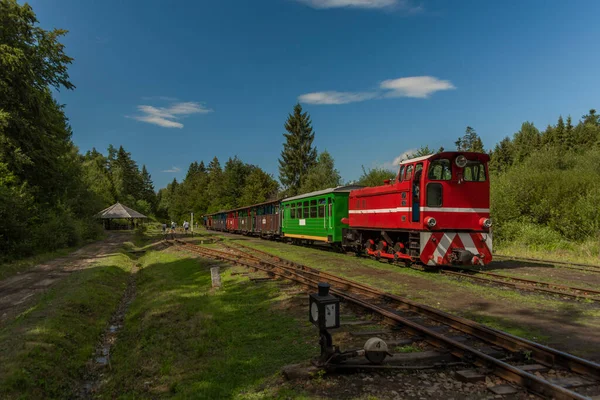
x: 533, y: 236
x: 554, y: 190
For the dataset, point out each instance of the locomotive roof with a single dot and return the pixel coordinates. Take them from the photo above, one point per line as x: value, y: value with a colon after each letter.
x: 469, y: 154
x: 339, y: 189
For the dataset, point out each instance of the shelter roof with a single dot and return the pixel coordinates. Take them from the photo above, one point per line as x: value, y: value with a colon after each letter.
x: 119, y: 210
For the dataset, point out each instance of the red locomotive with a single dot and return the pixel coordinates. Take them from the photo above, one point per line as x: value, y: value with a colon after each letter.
x: 436, y: 212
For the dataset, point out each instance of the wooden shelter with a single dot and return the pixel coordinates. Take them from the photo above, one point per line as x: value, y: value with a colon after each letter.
x: 121, y: 212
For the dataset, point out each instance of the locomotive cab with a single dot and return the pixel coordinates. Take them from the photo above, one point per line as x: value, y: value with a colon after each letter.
x: 436, y: 211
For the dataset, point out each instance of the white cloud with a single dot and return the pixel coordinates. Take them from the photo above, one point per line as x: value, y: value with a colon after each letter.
x: 350, y: 3
x: 393, y: 165
x: 173, y: 169
x: 415, y: 86
x: 334, y: 97
x: 167, y: 116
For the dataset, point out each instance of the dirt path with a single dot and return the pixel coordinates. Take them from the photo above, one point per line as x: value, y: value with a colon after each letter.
x: 17, y: 292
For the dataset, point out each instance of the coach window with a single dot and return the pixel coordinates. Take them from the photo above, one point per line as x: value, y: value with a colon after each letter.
x: 313, y: 209
x: 434, y: 195
x: 292, y: 211
x: 409, y: 171
x: 440, y: 170
x: 474, y: 172
x: 306, y: 210
x: 321, y: 208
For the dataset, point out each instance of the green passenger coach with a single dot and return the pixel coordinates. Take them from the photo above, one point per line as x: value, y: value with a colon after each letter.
x: 316, y: 216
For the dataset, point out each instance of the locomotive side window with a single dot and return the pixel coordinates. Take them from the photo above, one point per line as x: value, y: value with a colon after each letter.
x: 474, y: 172
x: 401, y: 174
x: 440, y: 170
x: 434, y: 195
x: 409, y: 171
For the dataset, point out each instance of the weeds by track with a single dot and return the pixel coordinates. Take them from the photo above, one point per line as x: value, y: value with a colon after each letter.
x: 425, y: 321
x: 560, y: 264
x: 525, y: 284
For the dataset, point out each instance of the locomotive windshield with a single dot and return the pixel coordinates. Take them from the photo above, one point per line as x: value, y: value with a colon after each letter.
x: 440, y: 170
x: 474, y: 172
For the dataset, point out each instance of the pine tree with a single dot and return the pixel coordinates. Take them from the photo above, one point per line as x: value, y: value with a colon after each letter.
x: 470, y: 141
x: 525, y: 142
x: 298, y: 154
x: 234, y: 178
x: 148, y: 188
x: 322, y: 175
x: 559, y: 132
x: 502, y: 156
x: 592, y: 118
x: 215, y: 185
x: 569, y: 140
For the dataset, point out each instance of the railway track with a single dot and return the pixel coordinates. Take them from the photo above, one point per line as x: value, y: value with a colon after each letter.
x: 424, y: 321
x: 525, y: 284
x: 561, y: 264
x: 577, y: 293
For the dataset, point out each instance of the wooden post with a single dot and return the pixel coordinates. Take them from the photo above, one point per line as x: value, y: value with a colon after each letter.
x: 216, y: 277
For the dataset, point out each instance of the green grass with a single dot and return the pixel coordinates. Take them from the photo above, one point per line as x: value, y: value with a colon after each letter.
x: 44, y: 350
x: 587, y: 252
x: 407, y: 349
x: 183, y: 339
x: 378, y: 275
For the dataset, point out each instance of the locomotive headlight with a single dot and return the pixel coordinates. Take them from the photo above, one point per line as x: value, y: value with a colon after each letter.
x: 485, y: 223
x: 431, y: 222
x: 461, y: 161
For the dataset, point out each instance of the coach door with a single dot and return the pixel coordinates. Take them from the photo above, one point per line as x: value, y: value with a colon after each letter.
x: 416, y: 193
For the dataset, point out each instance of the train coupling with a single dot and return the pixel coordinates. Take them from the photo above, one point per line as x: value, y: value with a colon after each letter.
x: 465, y: 257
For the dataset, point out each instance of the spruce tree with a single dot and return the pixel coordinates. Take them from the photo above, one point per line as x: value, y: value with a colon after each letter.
x: 298, y: 154
x: 470, y: 141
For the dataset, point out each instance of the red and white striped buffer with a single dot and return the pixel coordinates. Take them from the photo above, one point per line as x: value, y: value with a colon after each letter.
x: 436, y: 247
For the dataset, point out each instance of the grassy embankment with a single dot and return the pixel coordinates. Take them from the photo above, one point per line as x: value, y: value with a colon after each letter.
x: 44, y: 350
x: 184, y: 339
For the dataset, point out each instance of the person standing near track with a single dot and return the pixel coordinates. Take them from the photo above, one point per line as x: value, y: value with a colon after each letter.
x: 186, y: 226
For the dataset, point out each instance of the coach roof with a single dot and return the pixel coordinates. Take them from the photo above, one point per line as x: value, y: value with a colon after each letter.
x: 339, y: 189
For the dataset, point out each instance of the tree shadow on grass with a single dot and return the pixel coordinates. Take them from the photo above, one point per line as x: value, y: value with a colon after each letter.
x: 43, y: 351
x: 184, y: 339
x: 559, y: 329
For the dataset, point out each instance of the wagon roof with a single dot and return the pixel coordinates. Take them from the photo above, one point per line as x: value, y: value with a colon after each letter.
x: 118, y: 210
x: 243, y: 208
x: 339, y: 189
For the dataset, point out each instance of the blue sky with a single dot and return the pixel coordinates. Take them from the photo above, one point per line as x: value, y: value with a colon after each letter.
x: 175, y: 82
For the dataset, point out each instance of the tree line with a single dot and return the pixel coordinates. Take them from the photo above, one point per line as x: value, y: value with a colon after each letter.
x: 545, y: 184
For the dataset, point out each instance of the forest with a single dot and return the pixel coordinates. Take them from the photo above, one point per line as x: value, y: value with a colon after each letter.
x: 545, y: 184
